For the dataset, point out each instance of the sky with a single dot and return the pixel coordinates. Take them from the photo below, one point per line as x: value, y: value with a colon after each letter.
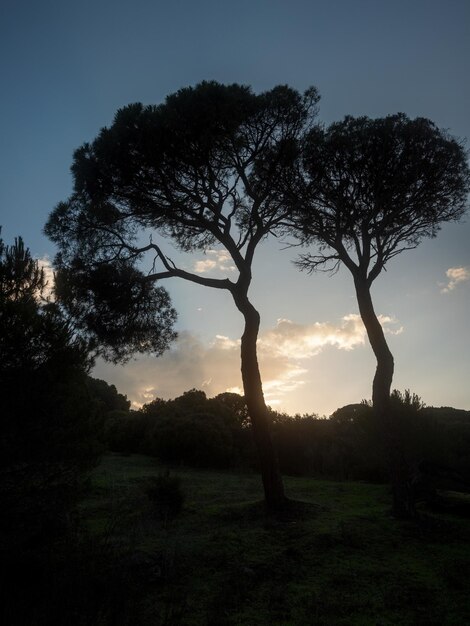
x: 66, y: 67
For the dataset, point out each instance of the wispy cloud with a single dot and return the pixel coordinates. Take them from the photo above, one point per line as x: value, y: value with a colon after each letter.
x: 455, y: 276
x: 285, y: 354
x: 218, y: 260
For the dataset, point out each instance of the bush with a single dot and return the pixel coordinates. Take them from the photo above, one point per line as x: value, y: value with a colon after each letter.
x: 165, y: 494
x: 125, y: 432
x: 198, y: 440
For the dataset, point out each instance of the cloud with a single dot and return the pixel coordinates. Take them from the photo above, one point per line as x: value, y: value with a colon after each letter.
x: 219, y: 260
x: 296, y: 341
x: 188, y: 364
x: 200, y: 267
x: 45, y: 264
x: 284, y: 353
x: 389, y: 324
x: 225, y: 343
x: 455, y: 275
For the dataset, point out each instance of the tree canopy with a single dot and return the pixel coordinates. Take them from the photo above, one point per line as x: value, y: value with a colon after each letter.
x: 115, y: 308
x: 367, y: 191
x: 200, y: 168
x: 373, y: 188
x: 34, y: 333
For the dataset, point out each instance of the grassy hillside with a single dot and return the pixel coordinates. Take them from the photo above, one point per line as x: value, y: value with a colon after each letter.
x: 337, y: 558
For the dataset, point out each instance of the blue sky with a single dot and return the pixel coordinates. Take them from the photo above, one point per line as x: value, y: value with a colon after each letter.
x: 65, y: 69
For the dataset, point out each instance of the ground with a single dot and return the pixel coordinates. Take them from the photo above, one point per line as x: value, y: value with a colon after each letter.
x: 337, y: 557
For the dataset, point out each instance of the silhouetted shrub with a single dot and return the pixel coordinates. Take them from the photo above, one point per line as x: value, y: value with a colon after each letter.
x: 295, y: 439
x: 200, y: 440
x: 126, y: 432
x: 216, y: 433
x: 165, y: 493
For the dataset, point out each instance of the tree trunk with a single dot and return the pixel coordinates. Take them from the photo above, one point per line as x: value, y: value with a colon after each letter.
x: 400, y: 475
x: 384, y: 372
x: 257, y: 410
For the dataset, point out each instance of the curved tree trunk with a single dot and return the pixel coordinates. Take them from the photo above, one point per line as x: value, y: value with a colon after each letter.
x: 257, y: 410
x: 400, y: 473
x: 384, y: 372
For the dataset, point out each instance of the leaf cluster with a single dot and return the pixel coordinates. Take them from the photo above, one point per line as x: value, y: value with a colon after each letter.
x: 33, y: 331
x: 116, y: 309
x: 21, y: 278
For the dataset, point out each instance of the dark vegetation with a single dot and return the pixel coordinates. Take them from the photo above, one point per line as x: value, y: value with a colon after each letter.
x: 48, y: 430
x: 214, y: 433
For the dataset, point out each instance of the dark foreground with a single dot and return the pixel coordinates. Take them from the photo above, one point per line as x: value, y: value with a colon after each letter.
x: 336, y: 558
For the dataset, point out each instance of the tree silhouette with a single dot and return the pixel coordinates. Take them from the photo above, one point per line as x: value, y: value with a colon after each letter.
x: 21, y: 278
x: 199, y: 169
x: 47, y: 439
x: 368, y: 190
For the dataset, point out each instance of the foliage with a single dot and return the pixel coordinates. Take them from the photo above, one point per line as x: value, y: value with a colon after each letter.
x: 47, y: 439
x: 190, y: 429
x: 106, y: 396
x: 375, y: 187
x: 21, y: 278
x: 115, y: 307
x: 165, y: 493
x: 192, y: 167
x: 125, y: 432
x: 199, y: 440
x: 212, y: 432
x: 109, y: 408
x: 343, y: 447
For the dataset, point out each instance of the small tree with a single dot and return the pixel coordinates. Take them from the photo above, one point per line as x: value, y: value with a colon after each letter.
x: 47, y: 439
x: 367, y: 191
x: 200, y: 169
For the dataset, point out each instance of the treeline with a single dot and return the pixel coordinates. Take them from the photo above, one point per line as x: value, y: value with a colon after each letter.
x: 216, y: 433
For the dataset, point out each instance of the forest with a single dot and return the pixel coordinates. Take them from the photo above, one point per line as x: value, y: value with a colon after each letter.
x: 157, y: 514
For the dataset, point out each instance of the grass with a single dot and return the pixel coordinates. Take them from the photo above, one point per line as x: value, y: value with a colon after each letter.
x: 338, y: 559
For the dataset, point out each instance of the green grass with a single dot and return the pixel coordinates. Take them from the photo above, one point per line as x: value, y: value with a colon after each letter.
x: 338, y: 558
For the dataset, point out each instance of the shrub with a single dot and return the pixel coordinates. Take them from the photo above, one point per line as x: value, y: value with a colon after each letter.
x: 165, y: 494
x: 199, y: 440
